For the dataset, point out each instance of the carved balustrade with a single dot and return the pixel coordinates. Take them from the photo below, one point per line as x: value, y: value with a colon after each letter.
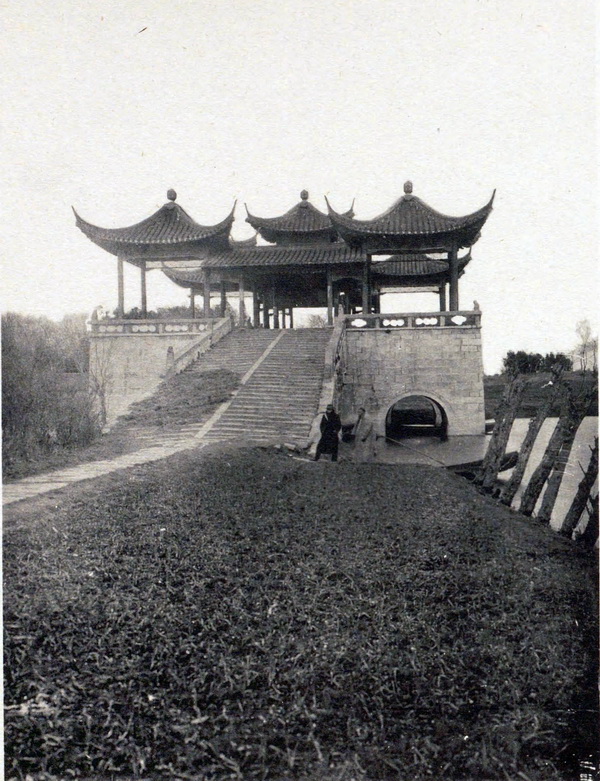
x: 171, y: 327
x: 389, y: 322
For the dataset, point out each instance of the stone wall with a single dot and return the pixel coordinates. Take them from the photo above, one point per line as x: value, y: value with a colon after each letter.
x: 128, y: 367
x: 444, y: 364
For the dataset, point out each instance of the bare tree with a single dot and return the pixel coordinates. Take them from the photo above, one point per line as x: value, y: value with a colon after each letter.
x: 100, y: 375
x: 583, y: 330
x: 316, y: 321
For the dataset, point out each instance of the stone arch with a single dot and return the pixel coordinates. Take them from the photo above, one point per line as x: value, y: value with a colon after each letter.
x: 445, y: 406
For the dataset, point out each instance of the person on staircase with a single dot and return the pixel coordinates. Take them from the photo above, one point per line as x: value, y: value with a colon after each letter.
x: 330, y: 428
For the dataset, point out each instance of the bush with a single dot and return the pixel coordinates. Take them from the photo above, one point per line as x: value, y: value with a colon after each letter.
x: 45, y: 398
x: 522, y: 362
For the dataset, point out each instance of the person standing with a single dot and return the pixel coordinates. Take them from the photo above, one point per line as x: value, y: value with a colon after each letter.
x: 330, y: 427
x: 365, y: 434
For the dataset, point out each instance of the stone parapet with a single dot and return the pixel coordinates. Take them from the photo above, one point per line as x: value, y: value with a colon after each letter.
x: 126, y: 367
x: 438, y: 355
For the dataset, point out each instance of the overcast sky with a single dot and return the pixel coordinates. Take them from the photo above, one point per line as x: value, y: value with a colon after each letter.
x: 111, y: 103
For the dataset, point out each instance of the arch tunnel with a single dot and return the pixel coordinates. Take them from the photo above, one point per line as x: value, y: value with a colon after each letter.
x: 416, y: 416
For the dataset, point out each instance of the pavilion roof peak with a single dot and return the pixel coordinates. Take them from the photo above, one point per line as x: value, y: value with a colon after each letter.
x: 302, y: 219
x: 411, y: 222
x: 171, y: 224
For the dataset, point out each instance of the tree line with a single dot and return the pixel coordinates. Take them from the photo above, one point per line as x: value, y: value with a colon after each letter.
x: 522, y: 362
x: 46, y: 403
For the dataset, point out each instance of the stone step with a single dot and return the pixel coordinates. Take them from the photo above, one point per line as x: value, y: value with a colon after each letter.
x: 280, y: 399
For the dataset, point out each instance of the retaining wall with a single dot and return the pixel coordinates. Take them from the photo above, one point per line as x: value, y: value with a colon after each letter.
x: 443, y: 363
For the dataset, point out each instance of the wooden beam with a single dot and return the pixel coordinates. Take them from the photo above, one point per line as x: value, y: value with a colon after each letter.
x: 223, y: 299
x: 206, y: 291
x: 275, y: 309
x: 242, y: 292
x: 255, y: 306
x: 121, y: 289
x: 144, y: 294
x: 366, y: 286
x: 453, y: 262
x: 443, y: 297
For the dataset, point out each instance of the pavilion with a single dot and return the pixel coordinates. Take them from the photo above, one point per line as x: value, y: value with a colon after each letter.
x: 308, y: 258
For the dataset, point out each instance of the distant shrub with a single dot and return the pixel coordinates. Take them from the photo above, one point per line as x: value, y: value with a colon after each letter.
x: 45, y: 399
x: 522, y: 362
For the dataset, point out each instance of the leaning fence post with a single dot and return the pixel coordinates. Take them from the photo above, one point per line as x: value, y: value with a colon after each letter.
x: 540, y: 475
x: 507, y: 412
x: 535, y: 424
x: 590, y: 533
x: 577, y: 413
x: 582, y: 495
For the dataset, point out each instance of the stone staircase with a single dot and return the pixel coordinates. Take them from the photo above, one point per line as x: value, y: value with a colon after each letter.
x: 237, y: 352
x: 279, y: 399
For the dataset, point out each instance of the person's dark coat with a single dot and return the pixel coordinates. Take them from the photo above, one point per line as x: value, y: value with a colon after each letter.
x: 330, y: 428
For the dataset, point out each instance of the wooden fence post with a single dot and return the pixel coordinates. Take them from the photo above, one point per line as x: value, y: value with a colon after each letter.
x: 540, y: 475
x: 590, y: 533
x: 535, y: 424
x: 577, y: 413
x: 582, y: 495
x: 507, y: 412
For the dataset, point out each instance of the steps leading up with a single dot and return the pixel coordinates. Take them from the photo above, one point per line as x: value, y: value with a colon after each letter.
x: 237, y: 352
x: 280, y: 399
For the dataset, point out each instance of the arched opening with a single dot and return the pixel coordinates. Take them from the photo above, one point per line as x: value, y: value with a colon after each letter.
x: 416, y: 416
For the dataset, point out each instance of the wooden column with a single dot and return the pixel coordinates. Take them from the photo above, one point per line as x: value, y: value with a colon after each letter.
x: 192, y: 303
x: 144, y: 296
x: 366, y: 286
x: 329, y: 297
x: 453, y: 261
x: 121, y: 288
x: 443, y: 297
x: 283, y: 317
x: 275, y: 309
x: 206, y: 292
x: 242, y: 310
x: 291, y: 317
x: 223, y: 299
x: 255, y: 307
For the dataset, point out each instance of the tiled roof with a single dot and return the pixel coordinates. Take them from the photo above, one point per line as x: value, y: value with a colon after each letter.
x: 308, y: 255
x: 411, y: 217
x: 301, y: 219
x: 237, y: 243
x: 261, y: 257
x: 169, y: 225
x: 414, y: 266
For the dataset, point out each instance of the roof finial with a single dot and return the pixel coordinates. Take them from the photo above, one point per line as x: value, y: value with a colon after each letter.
x: 171, y: 195
x: 408, y: 188
x: 304, y: 195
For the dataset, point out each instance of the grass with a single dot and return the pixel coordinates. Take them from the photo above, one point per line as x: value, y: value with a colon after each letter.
x: 242, y: 615
x: 537, y: 390
x: 190, y: 397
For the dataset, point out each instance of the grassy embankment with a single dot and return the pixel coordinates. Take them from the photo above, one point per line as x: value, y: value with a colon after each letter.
x: 240, y: 615
x: 190, y: 397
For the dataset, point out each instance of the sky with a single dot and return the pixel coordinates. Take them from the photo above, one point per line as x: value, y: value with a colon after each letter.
x: 109, y: 104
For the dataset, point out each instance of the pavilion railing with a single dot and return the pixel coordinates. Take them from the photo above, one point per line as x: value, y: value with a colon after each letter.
x: 220, y: 327
x: 396, y: 321
x: 169, y: 327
